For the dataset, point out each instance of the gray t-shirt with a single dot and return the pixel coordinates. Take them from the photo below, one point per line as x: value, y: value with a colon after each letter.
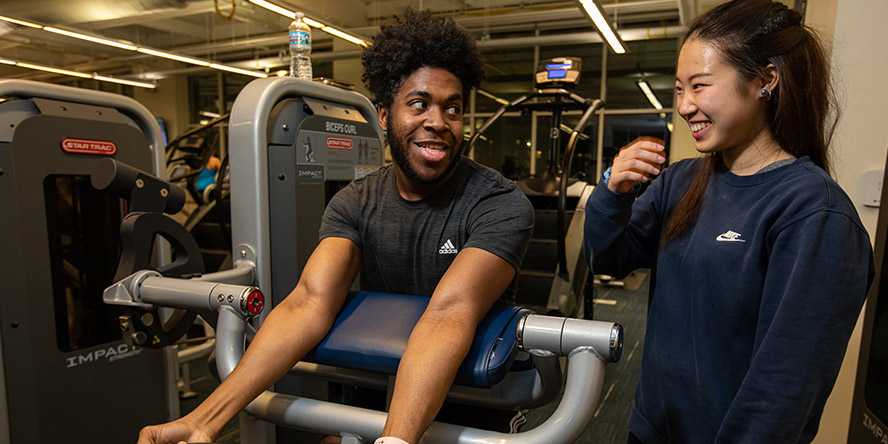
x: 406, y: 247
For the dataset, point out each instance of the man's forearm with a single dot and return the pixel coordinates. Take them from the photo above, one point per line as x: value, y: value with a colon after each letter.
x: 289, y: 332
x: 434, y: 353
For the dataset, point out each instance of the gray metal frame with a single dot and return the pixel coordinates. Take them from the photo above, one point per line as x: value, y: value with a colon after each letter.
x: 583, y: 342
x: 146, y: 123
x: 248, y: 141
x: 588, y: 346
x: 126, y: 105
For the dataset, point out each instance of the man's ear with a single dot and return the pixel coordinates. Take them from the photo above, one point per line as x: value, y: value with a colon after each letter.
x: 382, y: 117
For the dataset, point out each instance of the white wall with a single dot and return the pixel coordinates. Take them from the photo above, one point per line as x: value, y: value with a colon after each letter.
x: 860, y: 66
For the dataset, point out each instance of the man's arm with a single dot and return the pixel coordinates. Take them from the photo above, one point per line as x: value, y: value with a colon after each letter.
x: 290, y: 331
x: 442, y: 338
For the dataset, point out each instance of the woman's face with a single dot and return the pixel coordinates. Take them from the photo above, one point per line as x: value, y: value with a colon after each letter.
x: 723, y: 109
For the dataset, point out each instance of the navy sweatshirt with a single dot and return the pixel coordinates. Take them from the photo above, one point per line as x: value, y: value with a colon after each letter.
x: 750, y: 310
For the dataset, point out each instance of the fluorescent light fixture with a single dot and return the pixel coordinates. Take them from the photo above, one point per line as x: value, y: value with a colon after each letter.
x: 312, y: 22
x: 20, y: 22
x: 336, y: 32
x: 124, y: 81
x: 129, y: 47
x: 492, y: 97
x: 94, y: 39
x: 649, y: 93
x: 594, y: 12
x: 210, y: 114
x: 345, y: 36
x: 176, y: 57
x: 64, y: 72
x: 275, y: 8
x: 245, y: 72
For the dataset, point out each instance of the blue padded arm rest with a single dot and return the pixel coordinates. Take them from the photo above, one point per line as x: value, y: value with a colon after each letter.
x: 372, y: 330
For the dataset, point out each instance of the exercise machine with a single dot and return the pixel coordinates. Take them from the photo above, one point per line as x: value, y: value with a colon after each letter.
x: 294, y: 143
x: 869, y: 413
x: 565, y: 286
x: 66, y: 369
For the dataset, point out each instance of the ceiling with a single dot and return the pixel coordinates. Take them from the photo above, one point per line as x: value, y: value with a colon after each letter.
x: 241, y: 34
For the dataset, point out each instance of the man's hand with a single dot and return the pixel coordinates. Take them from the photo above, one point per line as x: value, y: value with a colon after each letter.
x: 175, y: 432
x: 291, y: 330
x: 640, y: 161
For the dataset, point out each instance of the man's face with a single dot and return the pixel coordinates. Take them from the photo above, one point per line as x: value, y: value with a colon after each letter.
x: 424, y: 124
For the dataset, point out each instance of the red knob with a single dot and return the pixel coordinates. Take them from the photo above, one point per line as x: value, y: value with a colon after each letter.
x: 255, y: 302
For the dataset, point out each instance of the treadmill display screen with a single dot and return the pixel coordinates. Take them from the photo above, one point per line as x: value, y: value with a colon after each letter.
x: 83, y: 227
x: 876, y: 388
x: 557, y: 73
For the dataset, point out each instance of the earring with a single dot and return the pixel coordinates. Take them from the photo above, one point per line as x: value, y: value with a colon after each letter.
x: 765, y: 93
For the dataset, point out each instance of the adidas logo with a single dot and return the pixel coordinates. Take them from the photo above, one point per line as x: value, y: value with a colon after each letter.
x: 448, y: 248
x: 730, y: 236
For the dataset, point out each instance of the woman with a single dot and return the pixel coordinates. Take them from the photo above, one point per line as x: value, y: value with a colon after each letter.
x: 760, y: 263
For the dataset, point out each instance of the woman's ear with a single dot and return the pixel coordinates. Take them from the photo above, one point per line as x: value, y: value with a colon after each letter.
x: 771, y: 78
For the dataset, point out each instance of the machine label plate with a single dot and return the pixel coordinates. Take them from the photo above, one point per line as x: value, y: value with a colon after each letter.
x: 341, y: 128
x: 873, y: 426
x: 308, y: 173
x: 84, y: 146
x: 112, y: 353
x: 339, y: 143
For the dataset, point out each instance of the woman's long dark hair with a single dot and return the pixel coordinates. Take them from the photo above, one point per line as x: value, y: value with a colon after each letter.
x: 750, y: 35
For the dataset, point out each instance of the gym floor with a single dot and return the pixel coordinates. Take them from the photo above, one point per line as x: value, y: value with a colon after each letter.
x: 627, y: 306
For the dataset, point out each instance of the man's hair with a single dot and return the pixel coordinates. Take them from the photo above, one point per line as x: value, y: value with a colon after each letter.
x: 416, y: 40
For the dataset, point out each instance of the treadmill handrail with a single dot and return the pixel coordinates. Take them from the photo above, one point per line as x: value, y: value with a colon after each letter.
x: 566, y: 165
x: 130, y: 107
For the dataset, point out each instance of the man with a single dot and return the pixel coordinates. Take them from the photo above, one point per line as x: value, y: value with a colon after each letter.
x: 433, y: 223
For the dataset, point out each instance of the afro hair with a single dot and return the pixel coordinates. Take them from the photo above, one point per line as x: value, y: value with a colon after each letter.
x: 416, y: 40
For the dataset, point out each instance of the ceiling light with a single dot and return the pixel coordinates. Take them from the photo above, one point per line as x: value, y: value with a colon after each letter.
x: 336, y: 32
x: 61, y: 71
x: 20, y: 22
x: 596, y: 14
x: 210, y: 114
x: 176, y: 57
x: 245, y: 72
x: 66, y: 72
x: 130, y: 47
x: 649, y: 93
x: 94, y: 39
x: 124, y: 81
x: 275, y: 8
x: 496, y: 99
x: 345, y: 36
x: 312, y: 22
x: 282, y: 73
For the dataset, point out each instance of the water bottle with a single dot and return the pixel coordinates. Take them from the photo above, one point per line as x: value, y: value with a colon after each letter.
x: 300, y: 48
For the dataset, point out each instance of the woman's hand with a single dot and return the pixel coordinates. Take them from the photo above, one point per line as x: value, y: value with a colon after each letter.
x: 638, y: 162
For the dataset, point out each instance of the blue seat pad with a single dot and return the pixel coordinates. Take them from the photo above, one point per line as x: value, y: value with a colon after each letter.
x: 372, y: 330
